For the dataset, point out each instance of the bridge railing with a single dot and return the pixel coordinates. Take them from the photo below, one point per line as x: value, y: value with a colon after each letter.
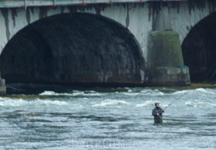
x: 30, y: 3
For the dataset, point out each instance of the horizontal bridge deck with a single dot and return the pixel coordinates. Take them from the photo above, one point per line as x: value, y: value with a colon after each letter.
x: 37, y: 3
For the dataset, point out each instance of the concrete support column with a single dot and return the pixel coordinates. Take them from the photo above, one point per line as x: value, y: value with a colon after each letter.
x: 165, y: 59
x: 2, y: 86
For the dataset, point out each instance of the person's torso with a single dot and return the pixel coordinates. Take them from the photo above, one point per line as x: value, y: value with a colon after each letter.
x: 158, y: 110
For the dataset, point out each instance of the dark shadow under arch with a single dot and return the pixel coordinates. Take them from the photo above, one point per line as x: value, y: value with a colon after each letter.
x: 78, y: 49
x: 199, y: 50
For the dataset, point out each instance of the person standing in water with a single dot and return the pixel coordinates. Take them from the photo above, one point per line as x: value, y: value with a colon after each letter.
x: 157, y: 113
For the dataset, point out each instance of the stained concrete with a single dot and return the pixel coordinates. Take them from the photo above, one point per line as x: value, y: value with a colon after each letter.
x: 165, y: 60
x: 168, y: 76
x: 164, y: 49
x: 2, y: 86
x: 199, y: 50
x: 65, y: 49
x: 137, y: 17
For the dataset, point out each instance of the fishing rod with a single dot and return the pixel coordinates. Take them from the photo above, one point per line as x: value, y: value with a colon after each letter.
x: 171, y: 104
x: 174, y: 101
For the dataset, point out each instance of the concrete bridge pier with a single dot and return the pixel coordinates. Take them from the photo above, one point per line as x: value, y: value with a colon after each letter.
x: 165, y: 59
x: 2, y: 86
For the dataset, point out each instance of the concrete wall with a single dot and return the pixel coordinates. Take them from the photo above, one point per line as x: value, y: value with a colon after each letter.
x: 27, y: 3
x: 138, y: 18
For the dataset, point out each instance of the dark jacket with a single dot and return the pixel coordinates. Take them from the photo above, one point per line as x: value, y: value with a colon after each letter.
x: 157, y: 110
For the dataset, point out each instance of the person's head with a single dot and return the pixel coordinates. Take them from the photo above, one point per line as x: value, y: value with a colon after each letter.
x: 157, y: 105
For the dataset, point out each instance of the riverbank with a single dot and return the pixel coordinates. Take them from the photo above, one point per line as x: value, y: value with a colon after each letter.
x: 38, y: 88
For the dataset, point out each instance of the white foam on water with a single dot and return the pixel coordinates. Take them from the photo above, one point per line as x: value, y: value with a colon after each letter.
x: 93, y: 94
x: 50, y: 93
x: 75, y: 93
x: 48, y: 102
x: 110, y: 102
x: 4, y: 98
x: 199, y: 104
x: 180, y: 92
x: 155, y: 92
x: 191, y: 104
x: 150, y: 103
x: 130, y: 94
x: 213, y: 104
x: 165, y: 105
x: 146, y: 104
x: 133, y: 118
x: 14, y: 103
x: 186, y: 129
x: 21, y: 102
x: 199, y: 91
x: 205, y: 91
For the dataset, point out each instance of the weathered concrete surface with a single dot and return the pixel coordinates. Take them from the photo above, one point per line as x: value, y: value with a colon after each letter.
x: 164, y: 55
x: 164, y: 49
x: 65, y: 49
x: 162, y: 21
x: 30, y: 3
x: 2, y: 86
x: 199, y: 50
x: 138, y: 18
x: 168, y: 76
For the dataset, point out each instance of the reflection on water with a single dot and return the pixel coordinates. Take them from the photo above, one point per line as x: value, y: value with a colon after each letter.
x: 118, y: 118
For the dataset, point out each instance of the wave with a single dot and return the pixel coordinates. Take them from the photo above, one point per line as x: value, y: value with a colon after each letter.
x: 49, y: 102
x: 21, y: 102
x: 74, y: 93
x: 186, y: 129
x: 48, y: 93
x: 199, y: 91
x: 205, y: 91
x: 150, y: 103
x: 180, y: 92
x: 131, y: 94
x: 110, y: 102
x: 145, y: 92
x: 155, y: 92
x: 146, y: 104
x: 52, y: 93
x: 199, y: 104
x: 14, y: 103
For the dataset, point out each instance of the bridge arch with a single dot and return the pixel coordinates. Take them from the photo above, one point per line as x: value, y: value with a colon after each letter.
x: 199, y: 49
x: 82, y: 48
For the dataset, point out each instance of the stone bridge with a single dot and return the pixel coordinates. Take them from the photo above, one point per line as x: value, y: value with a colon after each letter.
x: 100, y: 41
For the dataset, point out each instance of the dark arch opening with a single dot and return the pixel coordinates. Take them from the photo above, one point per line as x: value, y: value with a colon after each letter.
x: 73, y: 50
x: 199, y: 50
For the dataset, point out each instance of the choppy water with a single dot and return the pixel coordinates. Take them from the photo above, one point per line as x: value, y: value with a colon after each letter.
x: 114, y: 119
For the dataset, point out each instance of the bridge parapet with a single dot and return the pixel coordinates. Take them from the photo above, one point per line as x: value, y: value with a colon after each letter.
x: 31, y: 3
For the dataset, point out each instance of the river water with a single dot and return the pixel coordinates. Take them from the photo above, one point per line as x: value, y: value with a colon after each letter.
x: 115, y: 118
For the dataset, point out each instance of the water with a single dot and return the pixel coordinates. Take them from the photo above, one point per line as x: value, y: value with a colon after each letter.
x: 109, y: 119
